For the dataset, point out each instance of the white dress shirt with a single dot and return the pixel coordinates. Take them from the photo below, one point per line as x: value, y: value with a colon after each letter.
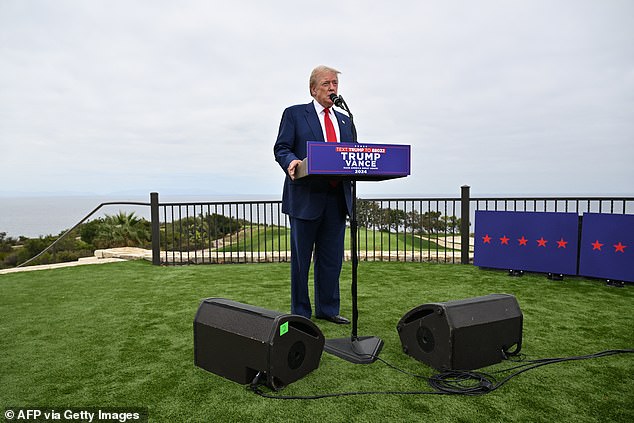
x: 320, y: 112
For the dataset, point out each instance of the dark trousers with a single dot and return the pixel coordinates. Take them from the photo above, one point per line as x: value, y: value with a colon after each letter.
x: 324, y: 237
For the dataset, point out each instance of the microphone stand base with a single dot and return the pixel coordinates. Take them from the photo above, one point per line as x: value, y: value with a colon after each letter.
x: 357, y: 350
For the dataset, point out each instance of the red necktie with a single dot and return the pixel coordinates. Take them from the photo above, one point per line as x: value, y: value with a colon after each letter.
x: 331, y: 135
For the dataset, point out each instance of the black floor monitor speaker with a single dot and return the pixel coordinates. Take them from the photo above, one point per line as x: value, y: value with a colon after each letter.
x: 465, y: 334
x: 238, y: 341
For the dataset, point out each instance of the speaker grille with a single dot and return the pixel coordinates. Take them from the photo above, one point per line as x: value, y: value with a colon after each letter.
x: 425, y: 338
x: 296, y: 355
x: 464, y: 334
x: 238, y: 341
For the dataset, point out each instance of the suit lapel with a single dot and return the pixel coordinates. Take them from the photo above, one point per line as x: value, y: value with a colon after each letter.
x: 315, y: 126
x: 344, y: 127
x: 313, y: 122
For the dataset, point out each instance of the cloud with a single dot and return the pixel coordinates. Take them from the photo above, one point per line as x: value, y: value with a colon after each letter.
x: 521, y: 97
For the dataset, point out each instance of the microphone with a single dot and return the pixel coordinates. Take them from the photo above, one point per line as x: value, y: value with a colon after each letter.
x: 338, y: 100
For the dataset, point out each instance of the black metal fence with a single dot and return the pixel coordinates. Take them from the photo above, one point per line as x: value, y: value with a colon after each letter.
x: 403, y: 229
x: 218, y: 232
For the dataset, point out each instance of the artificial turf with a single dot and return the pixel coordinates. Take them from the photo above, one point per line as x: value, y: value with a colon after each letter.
x: 121, y: 335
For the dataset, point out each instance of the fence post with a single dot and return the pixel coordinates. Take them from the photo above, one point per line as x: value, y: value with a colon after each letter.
x: 156, y: 235
x: 464, y: 224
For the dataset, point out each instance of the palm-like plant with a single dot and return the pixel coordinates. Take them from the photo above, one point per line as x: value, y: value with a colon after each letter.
x: 122, y: 230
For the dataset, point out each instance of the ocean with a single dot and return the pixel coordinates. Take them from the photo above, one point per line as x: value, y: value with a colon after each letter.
x: 33, y: 216
x: 49, y: 215
x: 41, y: 216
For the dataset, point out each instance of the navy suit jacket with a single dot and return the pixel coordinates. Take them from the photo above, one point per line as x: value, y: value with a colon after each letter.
x: 305, y: 198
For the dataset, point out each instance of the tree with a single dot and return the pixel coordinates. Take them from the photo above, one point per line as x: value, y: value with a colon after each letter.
x: 368, y: 213
x: 193, y: 232
x: 89, y: 230
x: 412, y: 222
x: 451, y: 224
x: 122, y: 230
x: 5, y: 243
x: 431, y: 221
x: 395, y: 218
x: 218, y: 225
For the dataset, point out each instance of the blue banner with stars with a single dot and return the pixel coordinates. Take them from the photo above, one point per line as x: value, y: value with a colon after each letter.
x: 529, y: 241
x: 607, y: 244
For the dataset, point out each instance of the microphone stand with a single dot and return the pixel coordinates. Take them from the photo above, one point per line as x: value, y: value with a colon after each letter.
x: 355, y: 349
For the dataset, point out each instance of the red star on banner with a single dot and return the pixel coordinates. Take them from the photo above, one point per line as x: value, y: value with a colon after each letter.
x: 486, y: 239
x: 619, y: 248
x: 541, y: 242
x: 596, y: 245
x: 561, y: 243
x: 523, y: 241
x: 504, y: 240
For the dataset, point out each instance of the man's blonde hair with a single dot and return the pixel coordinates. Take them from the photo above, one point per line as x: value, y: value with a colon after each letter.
x: 314, y: 75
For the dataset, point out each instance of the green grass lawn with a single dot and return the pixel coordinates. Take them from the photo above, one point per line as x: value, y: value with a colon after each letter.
x: 277, y: 238
x: 122, y: 335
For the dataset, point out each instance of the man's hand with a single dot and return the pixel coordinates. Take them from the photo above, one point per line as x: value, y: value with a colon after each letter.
x: 292, y: 167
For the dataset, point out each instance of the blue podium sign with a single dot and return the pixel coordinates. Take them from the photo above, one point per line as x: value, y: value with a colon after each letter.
x: 359, y: 161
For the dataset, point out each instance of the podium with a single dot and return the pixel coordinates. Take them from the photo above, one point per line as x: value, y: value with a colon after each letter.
x: 355, y: 162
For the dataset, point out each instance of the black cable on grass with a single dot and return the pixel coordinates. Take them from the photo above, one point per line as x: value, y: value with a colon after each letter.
x: 453, y: 382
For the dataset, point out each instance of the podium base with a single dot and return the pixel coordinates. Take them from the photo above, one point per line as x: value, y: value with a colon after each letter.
x: 357, y: 350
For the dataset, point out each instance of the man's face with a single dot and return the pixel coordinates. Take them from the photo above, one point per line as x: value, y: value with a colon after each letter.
x: 327, y: 83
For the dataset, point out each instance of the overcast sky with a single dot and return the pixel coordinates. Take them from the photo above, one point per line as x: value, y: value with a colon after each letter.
x: 185, y: 97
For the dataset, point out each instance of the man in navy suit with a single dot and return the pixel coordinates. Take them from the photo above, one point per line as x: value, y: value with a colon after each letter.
x: 317, y: 207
